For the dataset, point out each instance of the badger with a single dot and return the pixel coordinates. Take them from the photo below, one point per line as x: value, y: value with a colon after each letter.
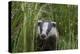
x: 47, y: 35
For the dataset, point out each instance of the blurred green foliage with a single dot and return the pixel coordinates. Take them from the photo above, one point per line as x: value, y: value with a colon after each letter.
x: 24, y: 16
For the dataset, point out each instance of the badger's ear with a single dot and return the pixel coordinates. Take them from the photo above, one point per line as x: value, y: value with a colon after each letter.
x: 39, y: 21
x: 54, y: 24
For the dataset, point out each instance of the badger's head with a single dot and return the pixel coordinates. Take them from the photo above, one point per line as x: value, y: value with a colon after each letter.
x: 47, y: 29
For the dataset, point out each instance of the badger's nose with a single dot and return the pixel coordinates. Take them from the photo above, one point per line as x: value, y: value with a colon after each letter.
x: 43, y: 36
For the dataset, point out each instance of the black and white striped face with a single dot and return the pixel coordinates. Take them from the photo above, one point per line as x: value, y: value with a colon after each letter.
x: 46, y: 29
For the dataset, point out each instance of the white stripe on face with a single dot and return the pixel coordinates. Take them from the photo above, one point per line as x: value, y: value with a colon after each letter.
x: 44, y: 28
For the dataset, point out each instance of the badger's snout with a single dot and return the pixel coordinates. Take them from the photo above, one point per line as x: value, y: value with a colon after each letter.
x: 43, y: 36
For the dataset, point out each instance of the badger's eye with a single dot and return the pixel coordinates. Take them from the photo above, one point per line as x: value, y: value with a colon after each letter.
x: 49, y: 28
x: 38, y: 23
x: 40, y: 29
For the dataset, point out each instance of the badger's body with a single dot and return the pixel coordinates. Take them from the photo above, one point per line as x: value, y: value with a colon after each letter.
x: 47, y: 35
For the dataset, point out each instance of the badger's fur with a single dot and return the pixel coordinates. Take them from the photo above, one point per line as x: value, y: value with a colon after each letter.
x: 47, y: 35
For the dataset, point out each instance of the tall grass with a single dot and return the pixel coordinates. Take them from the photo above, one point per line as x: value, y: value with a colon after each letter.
x: 24, y: 17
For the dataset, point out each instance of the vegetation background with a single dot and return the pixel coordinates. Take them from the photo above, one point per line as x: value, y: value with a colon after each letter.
x: 24, y: 17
